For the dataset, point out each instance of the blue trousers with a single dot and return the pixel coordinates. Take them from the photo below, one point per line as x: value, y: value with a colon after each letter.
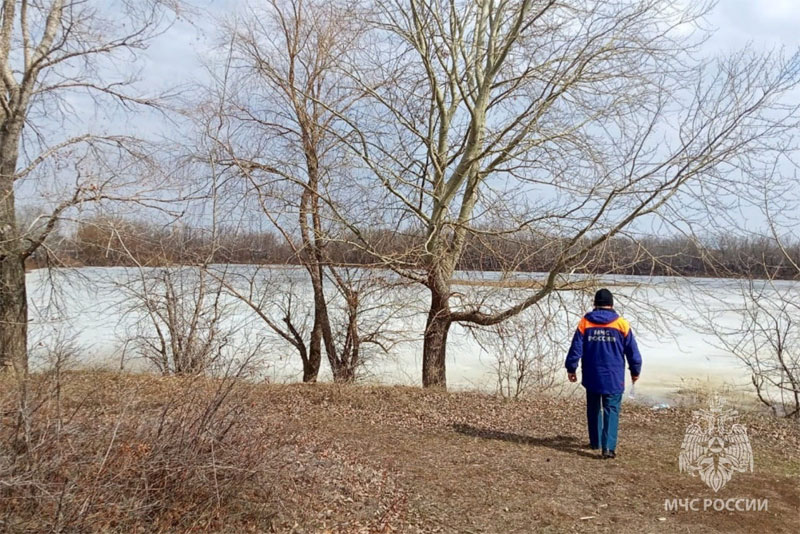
x: 602, y: 416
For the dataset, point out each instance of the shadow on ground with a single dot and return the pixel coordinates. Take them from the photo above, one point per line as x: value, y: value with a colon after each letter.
x: 559, y: 443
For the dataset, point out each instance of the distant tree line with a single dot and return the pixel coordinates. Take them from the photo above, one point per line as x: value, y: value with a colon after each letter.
x: 117, y: 242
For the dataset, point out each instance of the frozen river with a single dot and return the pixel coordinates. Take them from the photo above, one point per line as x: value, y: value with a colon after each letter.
x: 90, y: 309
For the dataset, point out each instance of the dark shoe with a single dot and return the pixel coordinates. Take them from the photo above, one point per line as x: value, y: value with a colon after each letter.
x: 609, y: 454
x: 591, y: 447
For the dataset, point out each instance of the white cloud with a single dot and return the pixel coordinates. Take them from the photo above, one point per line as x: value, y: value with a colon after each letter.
x: 764, y: 23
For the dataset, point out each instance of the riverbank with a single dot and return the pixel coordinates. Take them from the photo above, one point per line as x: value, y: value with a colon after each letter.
x: 104, y: 452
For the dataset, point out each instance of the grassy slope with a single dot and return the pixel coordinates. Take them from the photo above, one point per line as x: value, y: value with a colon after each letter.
x: 378, y: 459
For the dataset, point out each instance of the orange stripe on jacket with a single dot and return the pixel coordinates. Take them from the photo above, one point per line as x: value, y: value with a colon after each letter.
x: 617, y: 324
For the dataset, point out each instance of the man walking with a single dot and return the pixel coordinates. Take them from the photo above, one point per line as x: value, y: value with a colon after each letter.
x: 602, y: 343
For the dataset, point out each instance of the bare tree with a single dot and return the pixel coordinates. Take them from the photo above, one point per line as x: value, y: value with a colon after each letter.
x: 767, y: 344
x: 563, y: 120
x: 177, y: 315
x: 51, y: 52
x: 272, y: 126
x: 174, y: 316
x: 368, y: 305
x: 759, y: 326
x: 757, y: 318
x: 528, y: 361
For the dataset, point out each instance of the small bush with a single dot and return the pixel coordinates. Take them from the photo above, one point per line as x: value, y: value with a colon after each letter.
x: 114, y: 453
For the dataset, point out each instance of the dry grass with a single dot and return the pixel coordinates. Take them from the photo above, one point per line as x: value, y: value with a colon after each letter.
x: 114, y: 453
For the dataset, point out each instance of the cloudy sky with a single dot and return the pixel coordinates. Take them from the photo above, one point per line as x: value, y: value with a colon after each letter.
x: 177, y: 56
x: 766, y: 23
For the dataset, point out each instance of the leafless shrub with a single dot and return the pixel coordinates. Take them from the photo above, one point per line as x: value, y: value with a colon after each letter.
x: 756, y: 318
x: 363, y: 306
x: 526, y: 361
x: 760, y: 327
x: 177, y: 315
x: 527, y: 351
x: 104, y: 452
x: 367, y: 315
x: 280, y: 303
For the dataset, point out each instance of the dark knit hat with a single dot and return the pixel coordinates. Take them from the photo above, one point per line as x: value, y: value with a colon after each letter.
x: 603, y: 298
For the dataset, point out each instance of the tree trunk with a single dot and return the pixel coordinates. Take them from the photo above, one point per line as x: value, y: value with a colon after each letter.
x: 311, y: 364
x: 434, y: 348
x: 344, y: 374
x: 13, y: 315
x: 321, y: 312
x: 310, y: 361
x: 322, y: 321
x: 321, y: 331
x: 348, y: 358
x: 13, y: 299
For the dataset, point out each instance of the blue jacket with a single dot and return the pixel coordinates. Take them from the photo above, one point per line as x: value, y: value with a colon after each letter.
x: 602, y: 342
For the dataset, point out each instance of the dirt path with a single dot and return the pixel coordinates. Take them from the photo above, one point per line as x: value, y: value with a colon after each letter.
x: 473, y: 463
x: 135, y: 453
